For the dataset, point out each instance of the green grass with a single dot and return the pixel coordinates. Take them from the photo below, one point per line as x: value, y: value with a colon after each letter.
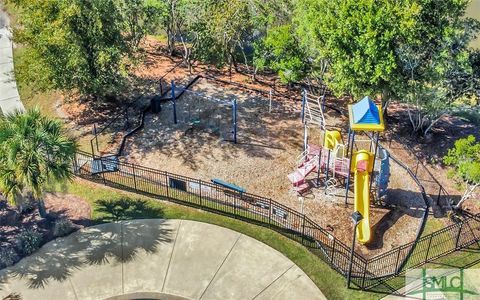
x: 330, y: 282
x: 46, y: 101
x: 432, y: 225
x: 30, y: 98
x: 162, y: 38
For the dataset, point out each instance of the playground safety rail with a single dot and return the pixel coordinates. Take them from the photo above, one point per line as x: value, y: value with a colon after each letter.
x: 366, y: 273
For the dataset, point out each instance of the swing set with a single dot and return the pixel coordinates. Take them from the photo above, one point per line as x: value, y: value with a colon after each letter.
x: 195, y: 118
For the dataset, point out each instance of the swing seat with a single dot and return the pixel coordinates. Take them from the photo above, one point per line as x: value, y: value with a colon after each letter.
x: 194, y: 122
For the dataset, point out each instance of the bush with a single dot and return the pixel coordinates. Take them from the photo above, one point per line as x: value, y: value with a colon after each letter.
x: 28, y: 241
x: 8, y: 257
x: 62, y: 227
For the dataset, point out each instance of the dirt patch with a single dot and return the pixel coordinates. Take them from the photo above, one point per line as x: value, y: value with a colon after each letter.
x: 429, y: 150
x: 13, y: 223
x: 68, y: 206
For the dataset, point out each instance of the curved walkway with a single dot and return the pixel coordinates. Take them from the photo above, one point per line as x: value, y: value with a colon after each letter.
x: 9, y: 98
x: 157, y: 259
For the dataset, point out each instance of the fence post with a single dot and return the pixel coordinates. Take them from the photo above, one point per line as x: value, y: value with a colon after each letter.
x: 235, y: 206
x: 93, y: 151
x: 134, y: 177
x: 333, y: 250
x: 174, y: 103
x: 398, y: 259
x: 167, y: 183
x: 458, y: 236
x: 364, y: 275
x: 303, y: 228
x: 439, y: 192
x: 200, y: 191
x: 234, y: 107
x: 96, y: 137
x: 270, y: 213
x: 428, y: 249
x: 103, y: 174
x: 75, y: 165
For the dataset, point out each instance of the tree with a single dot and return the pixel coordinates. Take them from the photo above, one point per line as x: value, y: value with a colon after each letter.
x: 170, y: 19
x: 192, y: 25
x: 80, y: 45
x: 436, y: 62
x: 279, y: 50
x: 34, y: 152
x: 464, y: 157
x: 217, y: 30
x: 210, y: 31
x: 276, y: 45
x: 358, y: 38
x: 232, y: 28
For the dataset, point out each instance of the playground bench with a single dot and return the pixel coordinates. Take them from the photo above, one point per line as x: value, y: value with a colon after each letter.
x: 228, y: 185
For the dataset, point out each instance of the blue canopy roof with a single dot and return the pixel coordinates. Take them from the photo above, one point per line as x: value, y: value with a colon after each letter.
x: 365, y: 112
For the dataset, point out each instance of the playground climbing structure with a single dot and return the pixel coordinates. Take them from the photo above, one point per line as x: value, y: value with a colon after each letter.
x: 338, y: 165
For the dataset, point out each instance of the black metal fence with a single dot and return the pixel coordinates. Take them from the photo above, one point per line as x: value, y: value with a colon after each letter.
x: 366, y: 273
x: 433, y: 188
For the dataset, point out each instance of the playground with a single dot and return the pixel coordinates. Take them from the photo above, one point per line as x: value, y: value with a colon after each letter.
x: 270, y: 146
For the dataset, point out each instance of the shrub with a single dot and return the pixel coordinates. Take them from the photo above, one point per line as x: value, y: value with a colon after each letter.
x: 62, y: 227
x: 8, y: 257
x: 28, y: 241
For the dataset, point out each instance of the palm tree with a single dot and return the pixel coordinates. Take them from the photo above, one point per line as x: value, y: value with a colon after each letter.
x: 34, y: 152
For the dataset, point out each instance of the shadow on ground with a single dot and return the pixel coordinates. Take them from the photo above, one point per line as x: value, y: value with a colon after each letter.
x: 95, y: 246
x: 127, y: 209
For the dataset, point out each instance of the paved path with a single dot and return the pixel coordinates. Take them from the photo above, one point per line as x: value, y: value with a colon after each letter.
x: 157, y: 259
x: 9, y: 98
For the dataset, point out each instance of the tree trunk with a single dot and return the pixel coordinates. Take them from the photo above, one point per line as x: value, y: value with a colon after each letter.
x: 234, y: 62
x: 385, y: 103
x: 468, y: 193
x: 41, y: 208
x: 170, y: 42
x: 244, y: 57
x: 186, y: 55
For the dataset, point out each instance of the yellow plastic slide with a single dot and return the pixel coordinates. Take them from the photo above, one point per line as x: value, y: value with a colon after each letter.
x: 362, y: 194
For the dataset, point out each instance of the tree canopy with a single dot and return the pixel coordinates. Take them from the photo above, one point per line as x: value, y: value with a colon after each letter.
x: 464, y: 157
x: 81, y: 45
x: 412, y: 51
x: 34, y: 152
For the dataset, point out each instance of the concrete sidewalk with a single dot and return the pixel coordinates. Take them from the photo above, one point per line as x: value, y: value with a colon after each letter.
x: 9, y: 97
x: 157, y: 259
